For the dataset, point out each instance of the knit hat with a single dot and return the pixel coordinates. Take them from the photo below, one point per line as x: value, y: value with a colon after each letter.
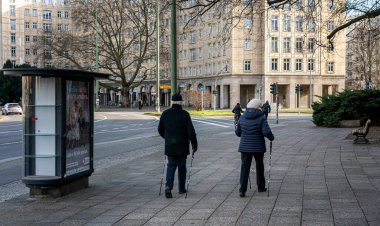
x: 177, y: 99
x: 254, y: 103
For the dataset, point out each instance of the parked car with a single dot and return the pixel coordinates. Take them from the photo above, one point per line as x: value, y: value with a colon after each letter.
x: 11, y: 108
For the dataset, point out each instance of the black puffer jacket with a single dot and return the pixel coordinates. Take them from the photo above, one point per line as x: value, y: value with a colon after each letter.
x: 177, y: 129
x: 252, y: 128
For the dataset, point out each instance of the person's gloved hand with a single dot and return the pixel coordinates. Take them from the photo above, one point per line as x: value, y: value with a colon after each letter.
x: 195, y: 149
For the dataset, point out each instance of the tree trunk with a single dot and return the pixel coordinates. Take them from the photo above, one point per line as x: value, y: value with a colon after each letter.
x: 126, y: 97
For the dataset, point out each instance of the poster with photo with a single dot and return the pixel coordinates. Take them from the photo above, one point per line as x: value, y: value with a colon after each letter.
x: 77, y: 127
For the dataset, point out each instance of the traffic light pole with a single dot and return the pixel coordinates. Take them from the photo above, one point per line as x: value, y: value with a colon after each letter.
x: 277, y: 108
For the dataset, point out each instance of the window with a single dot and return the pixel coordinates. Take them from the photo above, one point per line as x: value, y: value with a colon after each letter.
x: 13, y: 51
x: 192, y: 55
x: 27, y: 38
x: 192, y: 37
x: 330, y: 67
x: 311, y: 25
x: 34, y: 25
x: 299, y: 45
x: 12, y: 10
x: 310, y: 64
x: 35, y: 64
x: 27, y: 25
x: 274, y: 64
x: 286, y: 64
x: 47, y: 53
x: 13, y: 37
x: 13, y: 24
x: 66, y: 14
x: 310, y: 45
x: 287, y: 6
x: 299, y: 4
x: 298, y: 64
x: 13, y: 63
x: 287, y: 45
x: 247, y: 65
x: 200, y: 52
x: 35, y: 52
x: 299, y: 23
x: 47, y: 27
x: 247, y: 44
x: 35, y: 12
x: 66, y: 27
x: 59, y: 14
x: 274, y: 23
x: 330, y: 5
x: 26, y: 12
x: 34, y: 39
x: 27, y: 52
x: 274, y: 45
x: 47, y: 15
x: 330, y: 25
x: 286, y: 23
x: 311, y: 5
x: 247, y: 23
x: 59, y: 27
x: 43, y: 2
x: 330, y: 47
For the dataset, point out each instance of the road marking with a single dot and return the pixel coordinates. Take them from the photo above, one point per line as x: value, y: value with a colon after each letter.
x: 16, y: 142
x: 10, y: 159
x: 104, y: 118
x: 122, y: 130
x: 125, y: 139
x: 219, y: 122
x: 12, y: 131
x: 210, y: 123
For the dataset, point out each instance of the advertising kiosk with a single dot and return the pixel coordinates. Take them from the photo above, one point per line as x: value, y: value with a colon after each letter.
x: 58, y: 129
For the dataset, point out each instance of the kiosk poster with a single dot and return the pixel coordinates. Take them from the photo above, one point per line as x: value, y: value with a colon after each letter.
x: 77, y: 127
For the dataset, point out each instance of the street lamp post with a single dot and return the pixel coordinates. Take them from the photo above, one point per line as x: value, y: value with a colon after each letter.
x: 97, y: 101
x: 173, y: 42
x: 158, y: 57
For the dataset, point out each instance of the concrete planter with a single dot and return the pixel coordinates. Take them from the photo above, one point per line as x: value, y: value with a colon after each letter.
x: 349, y: 123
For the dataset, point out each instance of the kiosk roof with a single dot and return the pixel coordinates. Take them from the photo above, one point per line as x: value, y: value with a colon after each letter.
x: 53, y: 73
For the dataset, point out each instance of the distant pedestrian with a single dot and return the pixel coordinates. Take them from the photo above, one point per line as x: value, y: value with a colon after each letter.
x: 252, y: 128
x: 140, y: 104
x: 178, y: 131
x: 266, y: 109
x: 237, y: 112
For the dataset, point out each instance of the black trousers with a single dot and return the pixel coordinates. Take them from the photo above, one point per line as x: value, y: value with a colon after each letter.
x: 246, y: 160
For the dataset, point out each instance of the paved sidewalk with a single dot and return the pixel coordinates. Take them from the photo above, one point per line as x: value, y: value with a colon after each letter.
x: 318, y: 178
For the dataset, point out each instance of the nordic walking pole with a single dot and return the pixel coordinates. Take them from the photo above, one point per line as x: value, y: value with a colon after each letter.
x: 188, y: 179
x: 249, y: 179
x: 163, y: 174
x: 270, y: 164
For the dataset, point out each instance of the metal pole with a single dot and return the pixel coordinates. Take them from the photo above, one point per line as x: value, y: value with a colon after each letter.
x: 173, y: 43
x: 97, y: 59
x: 202, y: 100
x: 277, y: 104
x: 158, y: 57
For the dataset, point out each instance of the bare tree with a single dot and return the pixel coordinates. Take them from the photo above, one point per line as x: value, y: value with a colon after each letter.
x: 358, y: 10
x: 114, y: 36
x: 364, y: 55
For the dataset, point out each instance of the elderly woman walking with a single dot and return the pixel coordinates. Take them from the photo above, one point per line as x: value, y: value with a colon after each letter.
x: 252, y: 128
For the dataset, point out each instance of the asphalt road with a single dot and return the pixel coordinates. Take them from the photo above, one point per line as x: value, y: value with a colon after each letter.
x: 115, y: 133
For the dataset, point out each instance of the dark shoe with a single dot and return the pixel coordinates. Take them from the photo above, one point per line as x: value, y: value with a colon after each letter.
x: 168, y: 193
x: 262, y: 190
x: 182, y: 191
x: 242, y: 194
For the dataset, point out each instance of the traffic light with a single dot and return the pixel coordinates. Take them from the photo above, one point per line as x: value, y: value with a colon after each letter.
x: 272, y: 88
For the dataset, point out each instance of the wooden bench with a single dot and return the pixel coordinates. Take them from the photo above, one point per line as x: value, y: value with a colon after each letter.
x: 361, y: 133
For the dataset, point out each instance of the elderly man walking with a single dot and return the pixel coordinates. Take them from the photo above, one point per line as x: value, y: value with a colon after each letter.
x: 178, y: 131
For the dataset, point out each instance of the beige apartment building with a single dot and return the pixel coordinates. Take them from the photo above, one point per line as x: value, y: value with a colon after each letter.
x: 22, y: 22
x: 280, y: 46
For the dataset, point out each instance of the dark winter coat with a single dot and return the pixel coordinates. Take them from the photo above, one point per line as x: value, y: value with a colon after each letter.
x: 266, y: 108
x: 252, y: 128
x: 177, y: 129
x: 237, y: 110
